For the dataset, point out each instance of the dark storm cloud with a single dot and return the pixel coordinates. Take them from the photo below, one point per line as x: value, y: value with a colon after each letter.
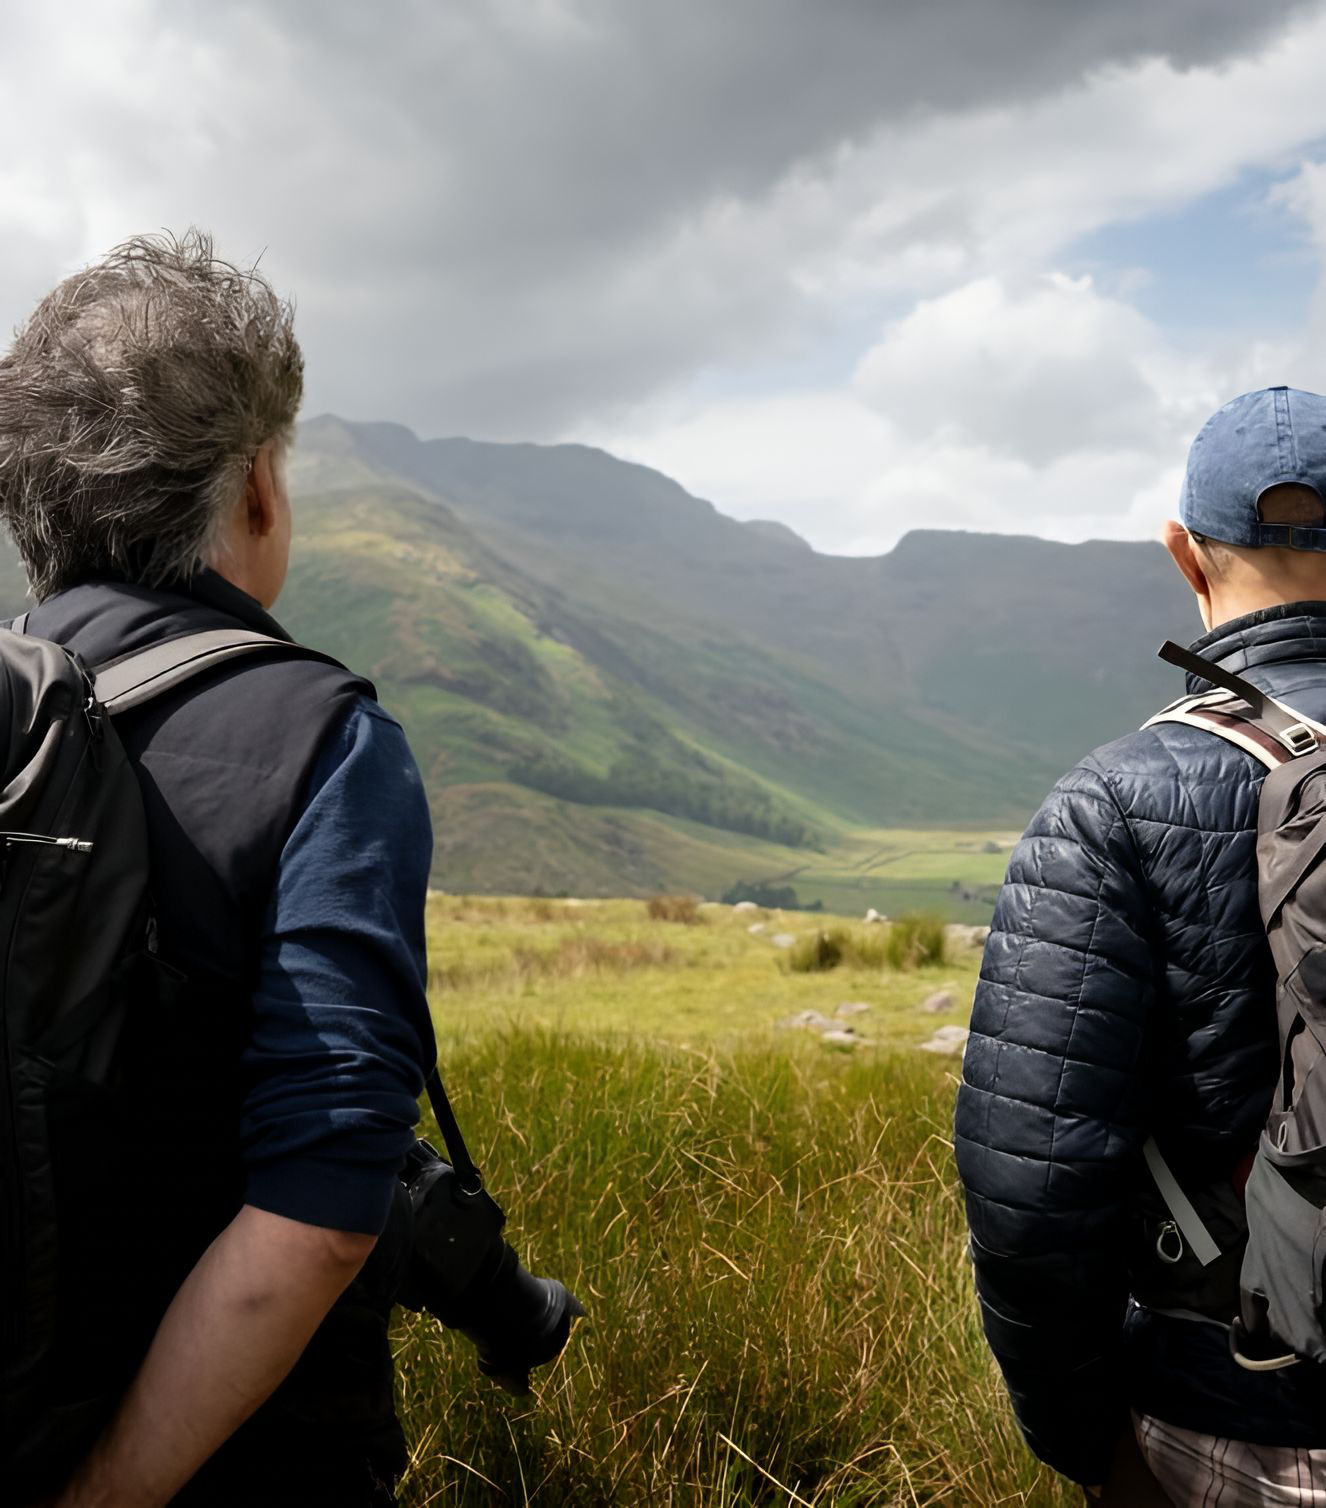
x: 498, y: 214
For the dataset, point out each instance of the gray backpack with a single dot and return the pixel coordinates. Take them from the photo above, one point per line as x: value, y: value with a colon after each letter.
x: 1283, y: 1277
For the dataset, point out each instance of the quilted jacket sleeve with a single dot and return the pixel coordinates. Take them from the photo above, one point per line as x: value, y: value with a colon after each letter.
x: 1050, y: 1118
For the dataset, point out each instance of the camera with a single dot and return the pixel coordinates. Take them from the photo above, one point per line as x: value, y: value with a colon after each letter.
x: 466, y: 1275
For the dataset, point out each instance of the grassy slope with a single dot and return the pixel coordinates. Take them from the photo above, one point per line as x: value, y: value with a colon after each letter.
x: 828, y: 676
x: 766, y: 1230
x: 485, y: 667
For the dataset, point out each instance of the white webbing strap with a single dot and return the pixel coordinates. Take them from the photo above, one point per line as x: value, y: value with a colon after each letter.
x: 1191, y: 1226
x: 1217, y: 712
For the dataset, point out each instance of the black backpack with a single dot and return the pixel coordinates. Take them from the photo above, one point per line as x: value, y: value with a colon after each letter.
x: 79, y: 955
x: 1282, y: 1284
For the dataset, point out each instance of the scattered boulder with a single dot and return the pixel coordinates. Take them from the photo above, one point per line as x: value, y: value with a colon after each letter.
x: 783, y: 940
x: 853, y: 1007
x: 966, y: 937
x: 844, y: 1036
x: 745, y: 906
x: 811, y: 1020
x: 948, y: 1039
x: 939, y: 1002
x: 755, y: 928
x: 874, y: 918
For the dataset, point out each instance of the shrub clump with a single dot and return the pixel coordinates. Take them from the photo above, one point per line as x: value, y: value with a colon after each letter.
x: 912, y: 942
x: 674, y: 908
x: 915, y: 942
x: 816, y: 953
x: 768, y: 897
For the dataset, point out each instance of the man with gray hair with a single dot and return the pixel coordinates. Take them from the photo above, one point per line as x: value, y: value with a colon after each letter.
x: 232, y: 1342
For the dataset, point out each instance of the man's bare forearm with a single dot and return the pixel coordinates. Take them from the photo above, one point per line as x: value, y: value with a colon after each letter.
x: 232, y: 1333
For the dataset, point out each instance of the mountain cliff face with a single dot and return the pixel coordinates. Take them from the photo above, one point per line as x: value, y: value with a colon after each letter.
x: 610, y: 686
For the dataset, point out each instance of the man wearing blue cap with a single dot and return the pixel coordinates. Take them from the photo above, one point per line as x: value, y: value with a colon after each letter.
x: 1126, y: 1004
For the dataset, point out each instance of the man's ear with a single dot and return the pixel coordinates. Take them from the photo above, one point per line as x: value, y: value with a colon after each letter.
x: 260, y: 492
x: 1179, y: 543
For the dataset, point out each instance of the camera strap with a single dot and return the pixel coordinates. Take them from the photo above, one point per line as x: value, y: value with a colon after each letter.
x: 467, y: 1170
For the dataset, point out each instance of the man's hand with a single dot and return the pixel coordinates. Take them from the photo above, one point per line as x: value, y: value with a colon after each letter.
x: 234, y: 1330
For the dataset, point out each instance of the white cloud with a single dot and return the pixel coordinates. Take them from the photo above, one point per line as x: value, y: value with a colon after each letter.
x: 1009, y: 395
x: 564, y: 219
x: 1054, y: 410
x: 1057, y: 370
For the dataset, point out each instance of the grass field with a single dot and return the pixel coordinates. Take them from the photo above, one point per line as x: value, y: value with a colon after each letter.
x: 529, y: 841
x: 765, y: 1228
x: 895, y: 870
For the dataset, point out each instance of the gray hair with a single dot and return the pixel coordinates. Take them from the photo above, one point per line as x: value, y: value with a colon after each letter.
x: 132, y: 403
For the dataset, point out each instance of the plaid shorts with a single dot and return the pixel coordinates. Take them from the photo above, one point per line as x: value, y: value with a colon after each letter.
x: 1203, y: 1471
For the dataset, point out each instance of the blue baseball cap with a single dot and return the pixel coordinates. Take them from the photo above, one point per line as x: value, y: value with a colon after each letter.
x: 1258, y: 441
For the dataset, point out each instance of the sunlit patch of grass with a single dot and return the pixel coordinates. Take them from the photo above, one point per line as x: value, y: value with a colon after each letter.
x: 767, y: 1233
x: 771, y: 1250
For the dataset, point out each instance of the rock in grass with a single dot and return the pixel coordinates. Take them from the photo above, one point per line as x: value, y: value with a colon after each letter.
x: 853, y: 1008
x: 874, y: 918
x: 939, y: 1002
x: 755, y: 928
x: 745, y: 906
x: 783, y: 940
x: 844, y: 1036
x: 948, y: 1039
x: 811, y: 1019
x: 966, y: 937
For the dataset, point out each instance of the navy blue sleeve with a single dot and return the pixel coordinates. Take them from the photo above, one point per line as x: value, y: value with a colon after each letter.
x: 1050, y: 1118
x: 342, y: 1036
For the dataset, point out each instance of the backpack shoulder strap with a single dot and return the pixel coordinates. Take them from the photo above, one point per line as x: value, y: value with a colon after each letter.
x: 1190, y: 1224
x: 133, y: 679
x: 1240, y: 713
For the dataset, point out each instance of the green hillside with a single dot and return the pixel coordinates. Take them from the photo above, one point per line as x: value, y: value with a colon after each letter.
x: 612, y: 688
x: 635, y: 691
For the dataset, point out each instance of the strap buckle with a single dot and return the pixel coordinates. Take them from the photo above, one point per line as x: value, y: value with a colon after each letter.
x: 1299, y: 739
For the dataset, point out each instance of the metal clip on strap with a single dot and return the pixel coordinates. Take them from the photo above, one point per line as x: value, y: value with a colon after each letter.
x: 1191, y: 1226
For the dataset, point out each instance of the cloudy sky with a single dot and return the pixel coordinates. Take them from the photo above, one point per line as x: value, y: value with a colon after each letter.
x: 858, y: 265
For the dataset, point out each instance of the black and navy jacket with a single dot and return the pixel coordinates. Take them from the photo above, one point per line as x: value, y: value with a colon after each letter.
x: 227, y: 1103
x: 1127, y: 991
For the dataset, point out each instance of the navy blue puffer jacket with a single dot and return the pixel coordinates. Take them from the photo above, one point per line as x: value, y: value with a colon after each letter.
x: 1127, y: 991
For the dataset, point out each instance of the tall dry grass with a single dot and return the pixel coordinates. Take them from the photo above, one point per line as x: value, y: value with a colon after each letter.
x: 674, y: 908
x: 580, y: 953
x: 912, y: 942
x: 771, y: 1249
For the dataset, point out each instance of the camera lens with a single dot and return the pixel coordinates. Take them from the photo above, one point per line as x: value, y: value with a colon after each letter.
x: 518, y: 1321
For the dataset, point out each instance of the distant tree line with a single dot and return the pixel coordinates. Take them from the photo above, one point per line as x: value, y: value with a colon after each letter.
x: 770, y: 897
x: 639, y: 781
